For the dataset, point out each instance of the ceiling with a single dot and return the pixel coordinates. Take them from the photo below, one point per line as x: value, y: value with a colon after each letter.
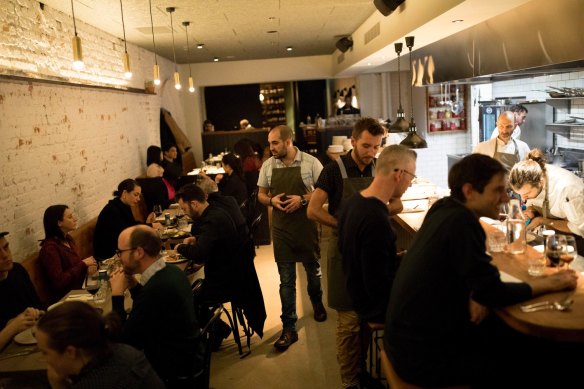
x: 235, y: 30
x: 229, y: 29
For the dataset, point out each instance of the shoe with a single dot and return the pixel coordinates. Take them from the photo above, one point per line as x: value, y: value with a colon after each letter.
x: 319, y: 311
x: 221, y: 331
x: 286, y: 339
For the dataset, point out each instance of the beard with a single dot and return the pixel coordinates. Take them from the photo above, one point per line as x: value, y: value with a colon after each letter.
x: 281, y: 154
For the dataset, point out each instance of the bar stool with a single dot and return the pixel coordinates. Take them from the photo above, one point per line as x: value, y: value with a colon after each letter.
x: 235, y: 318
x: 376, y: 331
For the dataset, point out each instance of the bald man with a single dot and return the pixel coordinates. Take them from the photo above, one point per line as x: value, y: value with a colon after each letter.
x: 163, y: 321
x: 504, y: 148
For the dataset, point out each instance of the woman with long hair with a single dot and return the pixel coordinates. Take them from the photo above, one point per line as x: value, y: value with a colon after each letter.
x: 153, y: 161
x: 62, y: 266
x: 74, y: 339
x: 115, y: 217
x: 232, y: 183
x: 554, y: 196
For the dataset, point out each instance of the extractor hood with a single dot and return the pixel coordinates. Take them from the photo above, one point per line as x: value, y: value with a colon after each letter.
x: 540, y: 37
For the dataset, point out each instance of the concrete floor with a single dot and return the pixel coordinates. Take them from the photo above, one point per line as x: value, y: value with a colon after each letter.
x: 308, y: 363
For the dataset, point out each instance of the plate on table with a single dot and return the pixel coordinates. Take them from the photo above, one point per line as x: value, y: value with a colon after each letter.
x: 530, y: 237
x: 174, y: 258
x: 413, y: 209
x: 180, y: 234
x: 25, y: 337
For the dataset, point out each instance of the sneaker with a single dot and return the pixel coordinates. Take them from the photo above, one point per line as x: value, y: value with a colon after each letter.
x: 286, y: 339
x: 319, y: 311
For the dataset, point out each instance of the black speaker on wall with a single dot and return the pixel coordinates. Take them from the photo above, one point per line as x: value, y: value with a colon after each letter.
x: 344, y: 44
x: 387, y: 6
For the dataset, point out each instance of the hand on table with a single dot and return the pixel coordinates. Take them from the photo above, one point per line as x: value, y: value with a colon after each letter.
x: 25, y: 320
x: 151, y: 218
x: 189, y: 240
x: 91, y: 264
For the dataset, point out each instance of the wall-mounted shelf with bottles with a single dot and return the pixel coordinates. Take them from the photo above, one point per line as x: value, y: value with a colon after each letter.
x: 563, y: 123
x: 446, y: 108
x: 273, y: 105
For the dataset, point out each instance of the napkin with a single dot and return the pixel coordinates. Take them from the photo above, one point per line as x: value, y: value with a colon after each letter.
x: 505, y: 277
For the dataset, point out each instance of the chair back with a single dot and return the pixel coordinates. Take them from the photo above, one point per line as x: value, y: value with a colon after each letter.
x: 252, y: 211
x: 202, y: 380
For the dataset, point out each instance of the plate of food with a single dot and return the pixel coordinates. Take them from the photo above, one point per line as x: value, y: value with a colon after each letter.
x: 530, y: 237
x: 25, y: 337
x: 174, y: 258
x: 180, y: 234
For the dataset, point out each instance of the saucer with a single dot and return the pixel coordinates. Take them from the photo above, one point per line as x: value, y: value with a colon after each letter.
x: 25, y: 337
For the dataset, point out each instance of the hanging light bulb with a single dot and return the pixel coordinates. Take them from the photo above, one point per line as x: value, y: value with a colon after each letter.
x: 191, y: 83
x: 177, y: 84
x: 413, y: 140
x: 76, y: 43
x: 400, y: 124
x: 156, y: 70
x: 125, y: 56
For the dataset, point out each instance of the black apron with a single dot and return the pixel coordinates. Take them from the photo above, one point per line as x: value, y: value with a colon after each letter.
x: 295, y: 236
x: 338, y: 298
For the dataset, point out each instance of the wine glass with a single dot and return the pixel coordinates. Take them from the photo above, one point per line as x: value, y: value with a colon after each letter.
x: 164, y: 238
x: 157, y: 210
x: 555, y: 245
x: 92, y: 283
x: 569, y: 252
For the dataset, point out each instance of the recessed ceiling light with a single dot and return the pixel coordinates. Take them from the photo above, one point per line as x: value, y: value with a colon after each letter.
x: 200, y: 45
x: 216, y: 59
x: 271, y: 32
x: 289, y: 48
x: 458, y: 21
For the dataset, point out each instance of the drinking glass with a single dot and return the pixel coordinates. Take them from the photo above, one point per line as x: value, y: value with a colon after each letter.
x: 569, y: 252
x: 164, y: 238
x: 555, y: 245
x: 157, y: 210
x: 92, y: 283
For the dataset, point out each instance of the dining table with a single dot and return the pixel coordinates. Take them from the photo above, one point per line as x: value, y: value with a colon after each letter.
x: 554, y: 325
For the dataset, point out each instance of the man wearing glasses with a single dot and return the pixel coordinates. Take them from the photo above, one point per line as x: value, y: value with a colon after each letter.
x: 504, y: 148
x: 366, y: 238
x: 162, y: 321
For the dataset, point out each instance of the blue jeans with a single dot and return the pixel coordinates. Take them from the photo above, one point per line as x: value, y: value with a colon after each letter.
x: 287, y: 271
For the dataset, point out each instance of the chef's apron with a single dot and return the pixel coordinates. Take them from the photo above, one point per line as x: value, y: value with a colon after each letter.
x: 338, y: 298
x: 507, y: 160
x: 295, y: 236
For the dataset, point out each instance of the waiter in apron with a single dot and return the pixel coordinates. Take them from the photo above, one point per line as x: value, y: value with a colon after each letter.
x: 286, y: 183
x: 338, y: 181
x: 504, y: 148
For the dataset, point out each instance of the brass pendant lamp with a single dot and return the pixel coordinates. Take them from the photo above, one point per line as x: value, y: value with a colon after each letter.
x: 156, y: 70
x: 177, y: 84
x: 125, y: 56
x: 413, y: 140
x: 400, y: 124
x: 191, y: 83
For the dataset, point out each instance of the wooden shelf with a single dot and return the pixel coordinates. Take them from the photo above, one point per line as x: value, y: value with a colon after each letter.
x: 440, y: 118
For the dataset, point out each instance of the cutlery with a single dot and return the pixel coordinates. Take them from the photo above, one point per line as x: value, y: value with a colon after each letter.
x: 556, y: 306
x: 18, y: 354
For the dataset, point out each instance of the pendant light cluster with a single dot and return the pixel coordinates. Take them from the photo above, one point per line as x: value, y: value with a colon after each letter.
x: 191, y: 83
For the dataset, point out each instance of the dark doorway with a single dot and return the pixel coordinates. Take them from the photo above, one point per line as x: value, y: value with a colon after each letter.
x: 227, y: 105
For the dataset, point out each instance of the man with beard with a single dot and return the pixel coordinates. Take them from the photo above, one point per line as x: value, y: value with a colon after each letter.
x: 338, y: 181
x: 163, y: 321
x: 286, y: 183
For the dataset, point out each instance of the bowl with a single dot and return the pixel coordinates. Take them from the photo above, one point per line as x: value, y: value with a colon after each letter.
x: 336, y: 148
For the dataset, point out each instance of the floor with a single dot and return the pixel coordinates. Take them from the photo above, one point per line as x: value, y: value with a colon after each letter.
x: 308, y: 363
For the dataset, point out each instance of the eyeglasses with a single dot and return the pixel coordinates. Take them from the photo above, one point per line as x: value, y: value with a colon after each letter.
x: 405, y: 171
x: 120, y: 251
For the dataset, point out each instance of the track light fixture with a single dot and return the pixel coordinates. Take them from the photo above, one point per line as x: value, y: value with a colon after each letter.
x: 156, y: 69
x: 76, y: 43
x: 191, y: 83
x: 125, y: 56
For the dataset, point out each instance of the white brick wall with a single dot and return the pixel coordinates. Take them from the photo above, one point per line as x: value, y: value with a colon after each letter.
x: 63, y: 144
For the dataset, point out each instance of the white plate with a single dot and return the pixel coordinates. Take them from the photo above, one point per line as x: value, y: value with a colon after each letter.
x: 25, y: 337
x: 171, y: 259
x: 508, y: 278
x: 539, y: 248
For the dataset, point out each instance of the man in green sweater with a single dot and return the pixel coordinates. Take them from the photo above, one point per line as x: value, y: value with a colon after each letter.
x: 163, y: 321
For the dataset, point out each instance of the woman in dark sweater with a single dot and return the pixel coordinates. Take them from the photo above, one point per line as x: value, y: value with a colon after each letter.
x: 115, y: 217
x: 63, y: 267
x: 232, y: 183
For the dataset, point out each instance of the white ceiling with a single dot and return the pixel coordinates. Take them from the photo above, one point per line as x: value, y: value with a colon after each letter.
x: 234, y: 30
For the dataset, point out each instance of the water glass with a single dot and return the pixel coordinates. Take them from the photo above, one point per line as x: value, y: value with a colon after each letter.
x: 536, y: 265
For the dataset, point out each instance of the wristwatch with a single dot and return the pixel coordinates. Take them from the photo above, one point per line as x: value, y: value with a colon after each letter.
x: 303, y: 202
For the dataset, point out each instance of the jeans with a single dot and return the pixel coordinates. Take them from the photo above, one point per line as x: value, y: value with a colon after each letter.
x: 287, y: 271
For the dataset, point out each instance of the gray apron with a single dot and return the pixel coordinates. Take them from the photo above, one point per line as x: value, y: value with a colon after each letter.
x: 507, y: 160
x: 338, y: 298
x: 295, y: 236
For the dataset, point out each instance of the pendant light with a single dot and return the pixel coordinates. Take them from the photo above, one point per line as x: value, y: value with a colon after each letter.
x: 76, y: 42
x: 400, y: 124
x: 125, y: 56
x: 156, y: 67
x: 191, y: 83
x: 413, y: 140
x: 177, y: 84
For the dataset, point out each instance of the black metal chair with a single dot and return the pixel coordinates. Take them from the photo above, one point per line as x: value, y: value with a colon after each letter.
x: 202, y: 380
